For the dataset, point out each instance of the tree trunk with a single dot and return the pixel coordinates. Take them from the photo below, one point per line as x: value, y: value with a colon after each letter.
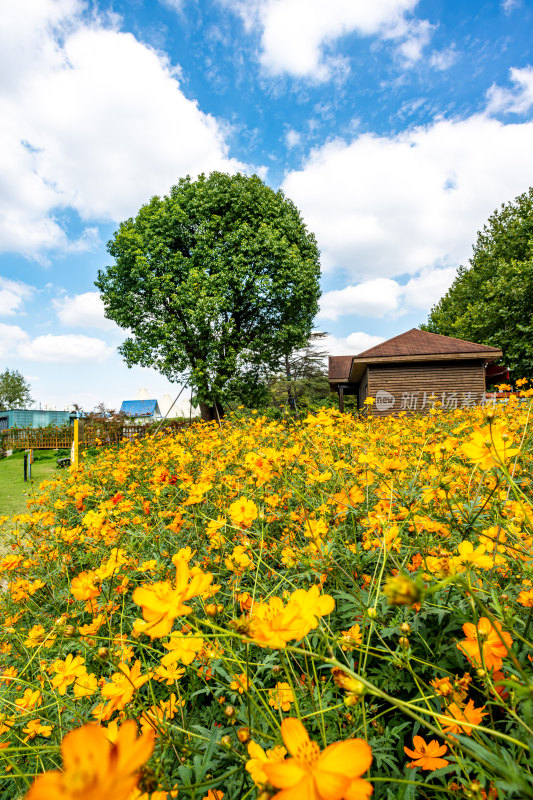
x: 290, y: 393
x: 211, y: 413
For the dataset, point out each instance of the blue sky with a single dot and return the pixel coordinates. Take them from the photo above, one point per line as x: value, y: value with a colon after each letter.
x: 396, y: 127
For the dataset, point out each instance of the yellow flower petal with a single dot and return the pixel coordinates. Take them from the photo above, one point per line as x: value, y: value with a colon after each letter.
x: 294, y: 735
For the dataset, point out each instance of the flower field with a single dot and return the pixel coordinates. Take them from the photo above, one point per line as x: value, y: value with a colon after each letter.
x: 329, y: 608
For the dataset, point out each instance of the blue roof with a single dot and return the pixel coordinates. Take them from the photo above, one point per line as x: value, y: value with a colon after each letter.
x: 139, y: 408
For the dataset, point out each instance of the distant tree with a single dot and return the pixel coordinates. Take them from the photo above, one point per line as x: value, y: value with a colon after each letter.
x: 491, y: 301
x: 214, y: 283
x: 302, y: 374
x: 14, y: 390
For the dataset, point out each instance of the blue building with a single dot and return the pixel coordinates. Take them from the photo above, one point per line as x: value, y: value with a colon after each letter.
x: 139, y: 411
x: 34, y: 418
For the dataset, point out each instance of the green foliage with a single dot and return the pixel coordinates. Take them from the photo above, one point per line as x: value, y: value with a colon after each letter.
x: 214, y: 283
x: 491, y: 301
x: 301, y: 379
x: 14, y: 390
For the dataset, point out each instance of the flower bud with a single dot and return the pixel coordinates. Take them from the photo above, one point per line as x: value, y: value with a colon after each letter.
x: 405, y: 628
x: 372, y: 613
x: 226, y: 741
x: 404, y: 642
x: 103, y: 653
x: 401, y: 590
x: 243, y: 734
x: 229, y: 711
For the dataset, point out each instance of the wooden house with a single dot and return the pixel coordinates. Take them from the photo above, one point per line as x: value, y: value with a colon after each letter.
x: 412, y: 371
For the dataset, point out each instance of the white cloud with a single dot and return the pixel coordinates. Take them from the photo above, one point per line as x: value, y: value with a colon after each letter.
x: 67, y: 349
x: 383, y: 296
x: 414, y: 36
x: 350, y: 345
x: 83, y: 311
x: 11, y: 337
x: 92, y: 119
x: 292, y: 138
x: 443, y: 59
x: 12, y: 296
x: 369, y: 299
x: 427, y: 288
x: 510, y: 5
x: 175, y: 5
x: 390, y: 206
x: 297, y: 35
x: 517, y: 100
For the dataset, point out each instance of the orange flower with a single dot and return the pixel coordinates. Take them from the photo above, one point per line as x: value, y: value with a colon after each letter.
x: 240, y: 684
x: 484, y: 645
x: 95, y: 769
x: 83, y: 587
x: 525, y: 598
x: 281, y: 696
x: 467, y: 717
x: 351, y: 638
x: 427, y: 756
x: 333, y: 774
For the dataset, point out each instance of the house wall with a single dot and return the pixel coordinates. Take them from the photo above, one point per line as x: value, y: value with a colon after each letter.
x: 33, y: 418
x: 407, y: 387
x: 363, y: 389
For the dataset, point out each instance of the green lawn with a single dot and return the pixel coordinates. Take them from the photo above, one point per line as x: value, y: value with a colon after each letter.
x: 13, y: 491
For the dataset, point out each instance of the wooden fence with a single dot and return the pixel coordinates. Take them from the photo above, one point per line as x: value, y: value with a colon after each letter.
x: 92, y: 434
x: 62, y: 438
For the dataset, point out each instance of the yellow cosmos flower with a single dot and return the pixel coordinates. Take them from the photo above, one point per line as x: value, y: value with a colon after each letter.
x: 243, y: 512
x: 470, y: 556
x: 67, y: 672
x: 273, y: 624
x: 122, y: 687
x: 281, y: 696
x: 95, y: 769
x: 333, y: 774
x: 86, y: 685
x: 37, y: 636
x: 182, y: 648
x: 162, y: 603
x: 489, y: 446
x: 83, y: 587
x: 259, y: 757
x: 30, y: 699
x: 240, y: 684
x: 34, y: 728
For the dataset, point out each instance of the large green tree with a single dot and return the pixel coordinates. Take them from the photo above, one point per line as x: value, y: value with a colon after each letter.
x: 14, y: 390
x: 214, y: 283
x: 491, y: 300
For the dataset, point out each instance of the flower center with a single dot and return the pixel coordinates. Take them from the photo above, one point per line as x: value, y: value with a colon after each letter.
x: 308, y: 752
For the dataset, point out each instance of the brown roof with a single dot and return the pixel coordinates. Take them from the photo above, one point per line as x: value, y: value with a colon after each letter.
x: 339, y: 367
x: 423, y: 343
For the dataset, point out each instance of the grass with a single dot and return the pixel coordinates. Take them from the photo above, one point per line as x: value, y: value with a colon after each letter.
x: 14, y: 492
